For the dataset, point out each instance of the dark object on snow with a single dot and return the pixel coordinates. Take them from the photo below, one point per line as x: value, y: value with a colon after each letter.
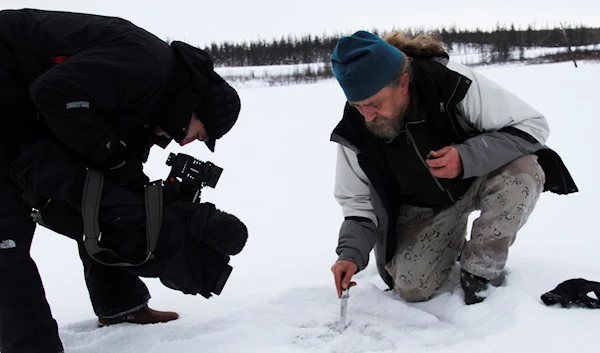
x: 573, y: 292
x: 472, y: 286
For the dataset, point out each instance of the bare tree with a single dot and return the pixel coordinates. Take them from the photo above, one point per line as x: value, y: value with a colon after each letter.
x: 568, y: 45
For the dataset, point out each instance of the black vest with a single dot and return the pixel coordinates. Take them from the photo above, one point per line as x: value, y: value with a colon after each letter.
x: 406, y: 157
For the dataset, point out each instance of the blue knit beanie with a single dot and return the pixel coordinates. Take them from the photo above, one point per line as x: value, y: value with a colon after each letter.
x: 363, y: 64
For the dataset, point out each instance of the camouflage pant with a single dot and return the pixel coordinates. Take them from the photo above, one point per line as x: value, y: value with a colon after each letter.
x: 430, y: 241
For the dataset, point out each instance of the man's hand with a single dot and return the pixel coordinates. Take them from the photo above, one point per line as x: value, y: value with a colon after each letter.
x: 445, y: 163
x: 343, y: 271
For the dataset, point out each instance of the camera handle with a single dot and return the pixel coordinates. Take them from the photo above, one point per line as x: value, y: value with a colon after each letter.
x: 178, y: 190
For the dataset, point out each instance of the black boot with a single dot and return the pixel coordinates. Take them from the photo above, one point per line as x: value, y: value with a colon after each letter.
x: 473, y: 286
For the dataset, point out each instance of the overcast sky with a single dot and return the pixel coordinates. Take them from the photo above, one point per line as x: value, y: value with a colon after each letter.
x: 200, y: 22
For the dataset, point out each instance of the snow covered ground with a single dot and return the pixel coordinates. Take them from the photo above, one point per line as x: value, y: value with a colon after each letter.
x: 278, y: 178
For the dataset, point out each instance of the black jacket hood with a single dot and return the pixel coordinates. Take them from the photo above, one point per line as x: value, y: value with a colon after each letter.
x: 197, y: 87
x: 187, y: 87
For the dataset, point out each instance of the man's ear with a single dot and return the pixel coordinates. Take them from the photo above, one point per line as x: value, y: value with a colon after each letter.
x: 404, y: 81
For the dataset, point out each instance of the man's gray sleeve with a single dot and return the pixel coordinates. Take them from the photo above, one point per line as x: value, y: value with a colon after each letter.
x: 487, y: 152
x: 357, y: 238
x: 358, y: 231
x: 507, y: 127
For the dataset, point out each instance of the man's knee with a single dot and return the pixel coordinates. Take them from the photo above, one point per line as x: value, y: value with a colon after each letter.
x: 417, y: 283
x: 515, y: 188
x: 415, y: 294
x: 526, y: 172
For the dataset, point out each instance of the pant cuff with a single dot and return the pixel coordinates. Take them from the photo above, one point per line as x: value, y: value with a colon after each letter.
x: 127, y: 311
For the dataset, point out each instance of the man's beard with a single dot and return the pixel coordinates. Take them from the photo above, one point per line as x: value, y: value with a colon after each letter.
x: 386, y: 129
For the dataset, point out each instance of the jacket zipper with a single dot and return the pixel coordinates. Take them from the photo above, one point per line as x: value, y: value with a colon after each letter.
x: 444, y: 107
x: 412, y: 141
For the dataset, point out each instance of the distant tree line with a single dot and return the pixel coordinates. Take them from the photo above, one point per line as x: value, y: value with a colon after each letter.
x: 495, y: 46
x: 306, y: 74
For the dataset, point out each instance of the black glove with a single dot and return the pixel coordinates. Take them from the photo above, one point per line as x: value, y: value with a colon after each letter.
x: 574, y: 292
x: 124, y: 169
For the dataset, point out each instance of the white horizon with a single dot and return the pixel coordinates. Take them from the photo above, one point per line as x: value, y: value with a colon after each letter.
x: 200, y: 24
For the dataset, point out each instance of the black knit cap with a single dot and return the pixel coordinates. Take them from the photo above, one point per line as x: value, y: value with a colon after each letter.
x: 216, y: 104
x: 219, y: 109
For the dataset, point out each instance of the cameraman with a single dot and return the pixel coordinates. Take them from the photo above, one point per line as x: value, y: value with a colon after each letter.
x: 105, y: 90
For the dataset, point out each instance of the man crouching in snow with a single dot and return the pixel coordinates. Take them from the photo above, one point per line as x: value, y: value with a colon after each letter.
x: 107, y: 91
x: 424, y: 142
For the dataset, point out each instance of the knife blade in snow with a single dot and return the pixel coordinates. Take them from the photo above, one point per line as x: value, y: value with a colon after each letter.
x: 344, y: 308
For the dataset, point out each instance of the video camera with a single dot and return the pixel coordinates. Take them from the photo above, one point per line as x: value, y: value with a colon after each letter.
x: 189, y: 175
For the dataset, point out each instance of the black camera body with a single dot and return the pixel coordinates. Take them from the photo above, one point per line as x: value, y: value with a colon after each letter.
x: 189, y: 175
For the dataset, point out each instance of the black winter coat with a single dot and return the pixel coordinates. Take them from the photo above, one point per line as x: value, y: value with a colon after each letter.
x: 92, y: 81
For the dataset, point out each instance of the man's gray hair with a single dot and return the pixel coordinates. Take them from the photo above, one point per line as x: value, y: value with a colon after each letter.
x: 405, y: 67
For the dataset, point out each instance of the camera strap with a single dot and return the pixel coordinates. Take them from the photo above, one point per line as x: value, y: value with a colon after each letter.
x: 90, y: 205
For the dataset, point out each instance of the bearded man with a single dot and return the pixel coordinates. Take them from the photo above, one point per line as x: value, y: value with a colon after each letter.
x: 423, y: 143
